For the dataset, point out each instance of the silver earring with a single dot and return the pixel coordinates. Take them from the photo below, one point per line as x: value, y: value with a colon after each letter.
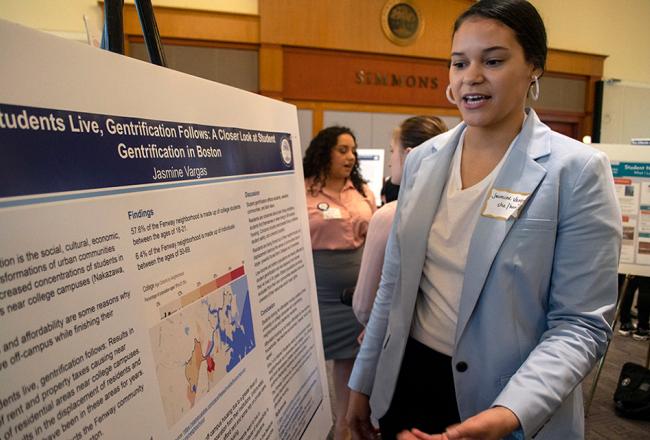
x: 534, y: 91
x: 450, y: 98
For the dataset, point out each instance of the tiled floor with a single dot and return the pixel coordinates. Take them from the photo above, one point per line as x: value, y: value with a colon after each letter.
x: 601, y: 422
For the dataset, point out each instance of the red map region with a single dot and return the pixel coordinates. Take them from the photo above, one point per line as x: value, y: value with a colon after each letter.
x: 210, y: 362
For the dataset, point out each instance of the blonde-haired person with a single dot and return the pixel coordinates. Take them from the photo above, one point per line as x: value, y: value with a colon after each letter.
x: 411, y: 133
x: 500, y: 274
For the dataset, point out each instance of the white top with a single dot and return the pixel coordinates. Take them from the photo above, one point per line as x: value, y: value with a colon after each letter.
x: 436, y: 309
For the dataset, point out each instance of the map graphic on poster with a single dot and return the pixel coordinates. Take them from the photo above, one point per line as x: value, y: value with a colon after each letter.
x: 197, y: 346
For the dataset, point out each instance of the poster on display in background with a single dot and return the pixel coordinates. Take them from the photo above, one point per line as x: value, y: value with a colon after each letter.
x: 371, y: 164
x: 631, y: 171
x: 156, y: 278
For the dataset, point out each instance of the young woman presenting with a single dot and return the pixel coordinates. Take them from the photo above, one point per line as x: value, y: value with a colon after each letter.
x: 500, y: 271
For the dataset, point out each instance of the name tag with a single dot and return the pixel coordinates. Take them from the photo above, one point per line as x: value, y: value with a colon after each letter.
x: 332, y: 213
x: 503, y: 204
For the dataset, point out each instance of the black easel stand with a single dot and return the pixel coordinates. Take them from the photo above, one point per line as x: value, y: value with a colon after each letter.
x: 113, y: 35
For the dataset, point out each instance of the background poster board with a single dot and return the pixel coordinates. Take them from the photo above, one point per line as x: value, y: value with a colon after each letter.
x: 631, y: 170
x: 371, y: 164
x: 156, y: 277
x: 626, y: 107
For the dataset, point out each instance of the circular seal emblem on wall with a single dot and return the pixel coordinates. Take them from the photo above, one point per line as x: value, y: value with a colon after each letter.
x: 401, y: 21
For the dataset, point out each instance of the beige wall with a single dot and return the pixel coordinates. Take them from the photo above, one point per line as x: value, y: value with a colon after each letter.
x: 617, y: 28
x: 235, y: 6
x: 65, y: 16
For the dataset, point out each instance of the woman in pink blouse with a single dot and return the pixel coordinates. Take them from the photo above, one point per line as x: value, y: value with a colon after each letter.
x: 340, y: 205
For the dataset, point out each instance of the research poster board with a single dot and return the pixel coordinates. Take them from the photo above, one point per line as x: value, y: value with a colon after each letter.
x: 631, y: 170
x: 371, y: 164
x: 156, y: 279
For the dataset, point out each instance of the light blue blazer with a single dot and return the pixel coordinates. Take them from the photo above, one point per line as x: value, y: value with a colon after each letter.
x: 538, y: 290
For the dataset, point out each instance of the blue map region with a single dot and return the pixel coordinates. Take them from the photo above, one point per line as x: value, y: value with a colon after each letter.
x: 242, y: 340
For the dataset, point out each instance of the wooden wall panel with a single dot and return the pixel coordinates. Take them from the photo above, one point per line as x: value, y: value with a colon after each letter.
x: 197, y: 25
x: 348, y: 36
x: 575, y: 63
x: 351, y: 77
x: 271, y: 70
x: 374, y: 108
x: 355, y: 25
x: 349, y: 25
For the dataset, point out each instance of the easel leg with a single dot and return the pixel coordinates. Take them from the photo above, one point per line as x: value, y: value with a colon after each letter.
x: 621, y: 296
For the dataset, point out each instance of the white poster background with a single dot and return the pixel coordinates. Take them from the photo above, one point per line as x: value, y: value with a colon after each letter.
x: 48, y: 72
x: 371, y: 163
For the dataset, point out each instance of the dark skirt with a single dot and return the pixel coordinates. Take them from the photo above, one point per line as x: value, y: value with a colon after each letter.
x: 424, y: 397
x: 336, y: 271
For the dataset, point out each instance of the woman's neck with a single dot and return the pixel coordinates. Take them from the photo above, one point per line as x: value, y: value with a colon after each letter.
x: 483, y: 149
x: 492, y: 140
x: 334, y: 184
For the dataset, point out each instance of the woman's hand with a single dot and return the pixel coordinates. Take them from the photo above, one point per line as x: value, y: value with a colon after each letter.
x: 361, y: 335
x: 359, y: 417
x: 491, y: 424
